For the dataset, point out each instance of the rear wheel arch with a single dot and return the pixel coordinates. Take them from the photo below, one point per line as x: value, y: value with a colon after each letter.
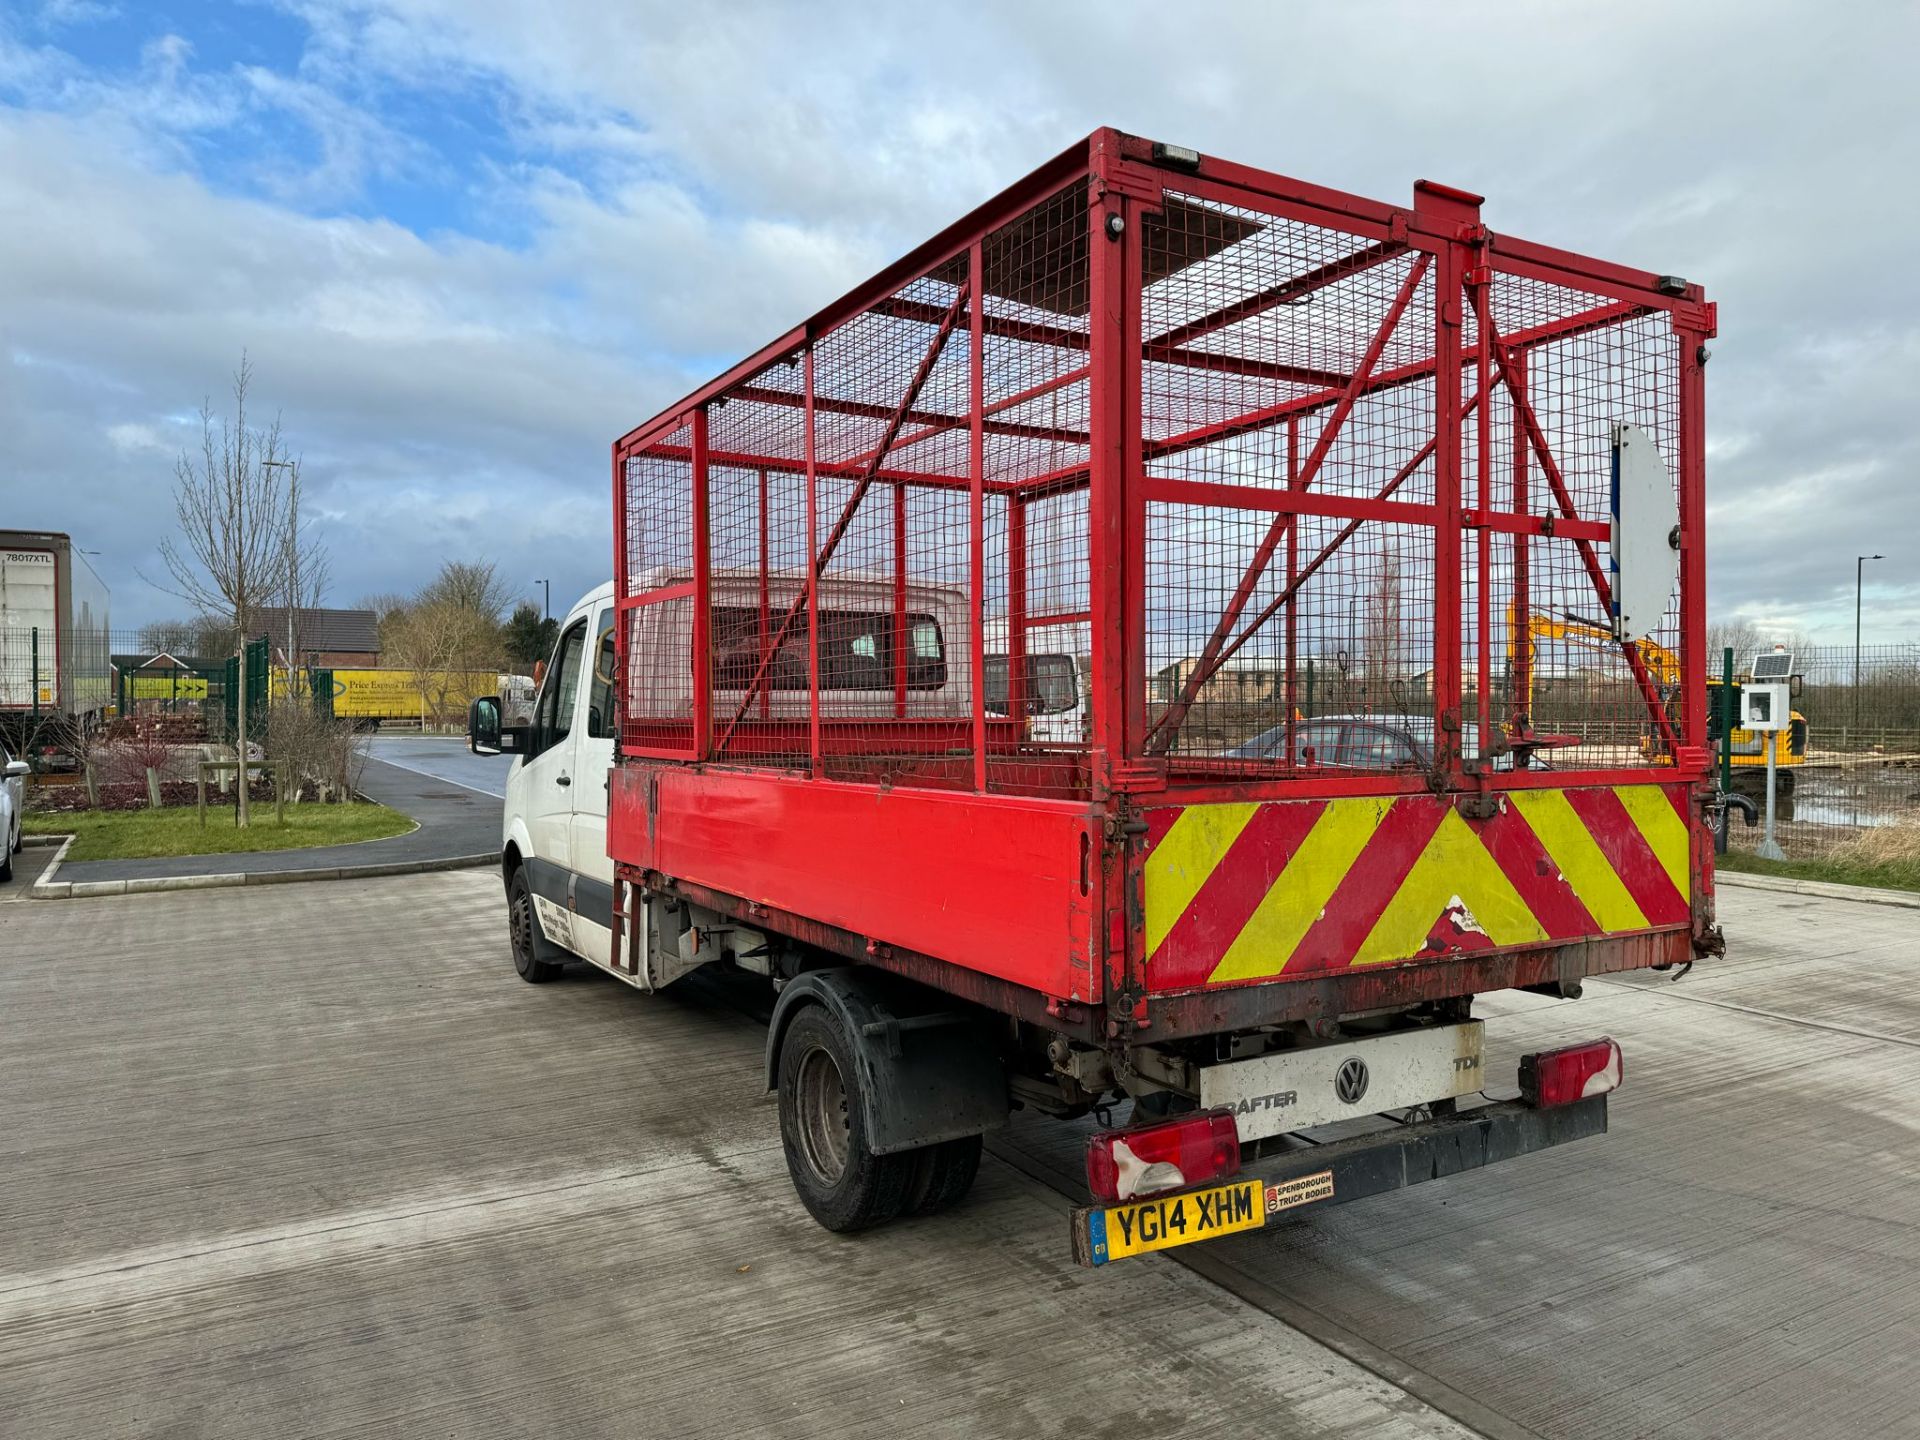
x: 928, y: 1071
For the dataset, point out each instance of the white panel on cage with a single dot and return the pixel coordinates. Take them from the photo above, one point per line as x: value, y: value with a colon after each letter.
x: 1646, y: 534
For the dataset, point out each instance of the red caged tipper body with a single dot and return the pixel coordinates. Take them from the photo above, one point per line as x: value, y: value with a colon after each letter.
x: 1111, y: 625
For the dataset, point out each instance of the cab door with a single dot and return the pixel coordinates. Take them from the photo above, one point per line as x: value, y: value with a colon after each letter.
x: 593, y: 868
x: 548, y: 785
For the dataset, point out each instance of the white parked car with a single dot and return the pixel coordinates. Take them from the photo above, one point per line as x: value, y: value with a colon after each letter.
x: 13, y: 804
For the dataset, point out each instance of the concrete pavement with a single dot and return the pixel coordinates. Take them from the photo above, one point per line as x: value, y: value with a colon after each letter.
x: 310, y: 1160
x: 28, y: 866
x: 1739, y: 1256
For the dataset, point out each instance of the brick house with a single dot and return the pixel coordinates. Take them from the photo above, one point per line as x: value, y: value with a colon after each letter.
x: 342, y: 639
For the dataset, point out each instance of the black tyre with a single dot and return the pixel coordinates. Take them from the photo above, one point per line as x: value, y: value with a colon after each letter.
x: 530, y: 947
x: 942, y: 1175
x: 823, y: 1129
x: 6, y: 864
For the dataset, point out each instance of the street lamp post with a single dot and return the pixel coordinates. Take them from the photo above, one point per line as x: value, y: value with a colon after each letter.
x: 293, y: 597
x: 546, y: 603
x: 1859, y: 567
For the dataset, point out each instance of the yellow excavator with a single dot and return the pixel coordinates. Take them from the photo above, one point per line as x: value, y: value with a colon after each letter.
x: 1663, y: 666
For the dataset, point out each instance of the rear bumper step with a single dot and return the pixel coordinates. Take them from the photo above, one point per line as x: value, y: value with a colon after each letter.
x: 1331, y: 1174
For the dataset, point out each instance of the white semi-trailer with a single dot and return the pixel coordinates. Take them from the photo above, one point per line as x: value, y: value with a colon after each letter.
x: 54, y: 651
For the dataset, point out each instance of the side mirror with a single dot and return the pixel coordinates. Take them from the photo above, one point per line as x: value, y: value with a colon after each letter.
x: 483, y: 725
x: 17, y: 768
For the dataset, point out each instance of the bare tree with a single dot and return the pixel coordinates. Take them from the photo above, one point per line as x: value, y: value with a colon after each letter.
x: 173, y: 637
x: 1385, y: 640
x: 187, y: 639
x: 452, y: 653
x: 449, y: 637
x: 384, y: 604
x: 1746, y: 639
x: 230, y: 558
x: 469, y: 585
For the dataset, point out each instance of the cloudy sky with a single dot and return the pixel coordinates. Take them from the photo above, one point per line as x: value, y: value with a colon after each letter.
x: 468, y: 242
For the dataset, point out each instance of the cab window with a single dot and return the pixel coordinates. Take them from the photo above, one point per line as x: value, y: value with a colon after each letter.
x: 1053, y: 686
x: 600, y: 696
x: 553, y: 716
x: 856, y: 650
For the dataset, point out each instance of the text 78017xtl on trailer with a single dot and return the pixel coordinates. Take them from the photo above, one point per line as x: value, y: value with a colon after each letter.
x: 1269, y: 456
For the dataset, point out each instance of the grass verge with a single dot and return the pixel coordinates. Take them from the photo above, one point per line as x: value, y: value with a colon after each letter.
x: 176, y: 830
x: 1886, y: 859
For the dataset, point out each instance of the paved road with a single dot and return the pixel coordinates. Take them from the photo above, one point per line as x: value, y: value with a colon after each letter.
x: 453, y: 820
x: 382, y: 1187
x: 445, y: 758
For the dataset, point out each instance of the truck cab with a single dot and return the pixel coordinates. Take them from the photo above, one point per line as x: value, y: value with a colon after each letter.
x: 554, y: 831
x: 561, y: 892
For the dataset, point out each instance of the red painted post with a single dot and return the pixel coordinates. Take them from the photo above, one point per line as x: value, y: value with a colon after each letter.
x: 1448, y: 210
x: 702, y: 596
x: 899, y: 600
x: 1520, y: 626
x: 766, y: 695
x: 1133, y: 557
x: 1691, y: 333
x: 1480, y: 287
x: 1017, y: 613
x: 814, y: 762
x: 1106, y: 519
x: 977, y: 506
x: 622, y: 618
x: 1292, y: 593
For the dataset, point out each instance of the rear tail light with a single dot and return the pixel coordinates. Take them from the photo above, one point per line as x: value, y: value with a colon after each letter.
x: 1560, y: 1077
x: 1170, y: 1155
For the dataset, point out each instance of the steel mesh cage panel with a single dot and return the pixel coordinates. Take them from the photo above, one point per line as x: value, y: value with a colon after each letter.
x: 657, y: 707
x: 1558, y: 661
x: 1036, y: 325
x: 756, y: 507
x: 1292, y: 379
x: 838, y: 488
x: 1259, y: 616
x: 1215, y: 478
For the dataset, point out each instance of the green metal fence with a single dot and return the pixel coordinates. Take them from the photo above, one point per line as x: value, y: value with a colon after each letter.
x: 258, y: 685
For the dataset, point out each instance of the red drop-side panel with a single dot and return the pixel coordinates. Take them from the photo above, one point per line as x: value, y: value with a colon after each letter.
x: 999, y: 885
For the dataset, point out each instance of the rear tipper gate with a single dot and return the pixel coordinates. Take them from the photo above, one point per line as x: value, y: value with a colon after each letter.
x: 1283, y: 474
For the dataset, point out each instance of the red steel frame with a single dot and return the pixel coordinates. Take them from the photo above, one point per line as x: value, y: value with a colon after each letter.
x: 1029, y: 901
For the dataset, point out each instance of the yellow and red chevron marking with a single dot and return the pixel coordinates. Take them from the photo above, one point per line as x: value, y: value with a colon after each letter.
x: 1251, y: 891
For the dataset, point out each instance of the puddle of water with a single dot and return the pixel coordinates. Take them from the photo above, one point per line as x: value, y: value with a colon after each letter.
x: 1863, y: 815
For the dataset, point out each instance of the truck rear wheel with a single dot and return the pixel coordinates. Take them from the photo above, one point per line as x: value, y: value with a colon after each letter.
x: 942, y: 1175
x: 524, y: 929
x: 823, y: 1129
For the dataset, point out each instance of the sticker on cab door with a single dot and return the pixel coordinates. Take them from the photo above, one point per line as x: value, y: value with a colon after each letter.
x: 555, y: 923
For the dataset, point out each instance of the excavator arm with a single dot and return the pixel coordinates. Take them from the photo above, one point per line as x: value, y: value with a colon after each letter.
x: 1662, y: 664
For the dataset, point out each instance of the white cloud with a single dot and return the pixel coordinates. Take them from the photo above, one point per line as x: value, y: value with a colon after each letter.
x: 131, y: 438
